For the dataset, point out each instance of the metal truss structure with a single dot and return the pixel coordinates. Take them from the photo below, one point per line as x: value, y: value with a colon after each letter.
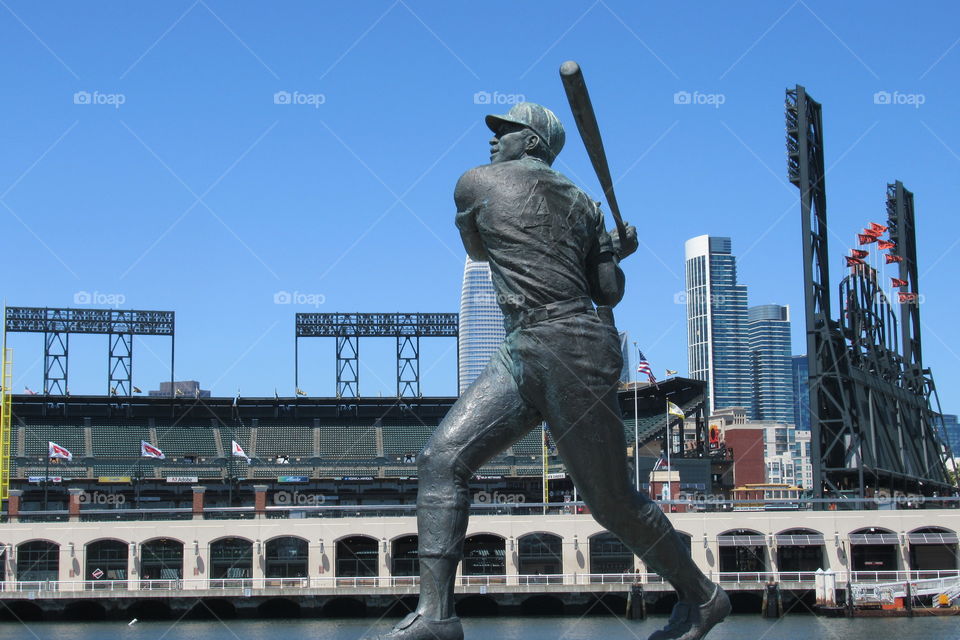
x: 348, y: 328
x: 871, y: 404
x: 120, y: 326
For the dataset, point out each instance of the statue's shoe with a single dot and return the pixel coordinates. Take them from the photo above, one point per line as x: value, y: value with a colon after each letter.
x: 692, y: 622
x: 416, y: 627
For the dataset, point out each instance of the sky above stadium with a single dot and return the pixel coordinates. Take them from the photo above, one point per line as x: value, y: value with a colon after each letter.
x: 239, y: 162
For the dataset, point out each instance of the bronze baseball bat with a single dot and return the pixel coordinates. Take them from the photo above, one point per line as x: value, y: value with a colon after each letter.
x: 586, y: 119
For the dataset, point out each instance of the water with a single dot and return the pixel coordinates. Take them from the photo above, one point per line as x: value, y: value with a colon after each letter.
x: 555, y: 628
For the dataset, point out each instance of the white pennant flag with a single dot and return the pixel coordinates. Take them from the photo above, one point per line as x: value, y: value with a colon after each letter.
x: 56, y: 451
x: 237, y: 450
x: 147, y: 450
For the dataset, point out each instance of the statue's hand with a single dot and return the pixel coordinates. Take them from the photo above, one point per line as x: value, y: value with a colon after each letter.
x: 630, y: 246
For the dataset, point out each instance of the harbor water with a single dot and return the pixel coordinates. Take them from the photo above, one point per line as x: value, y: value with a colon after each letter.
x: 740, y: 627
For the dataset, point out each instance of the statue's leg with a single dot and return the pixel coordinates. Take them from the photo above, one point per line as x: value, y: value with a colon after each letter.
x: 591, y: 441
x: 485, y: 420
x: 574, y: 364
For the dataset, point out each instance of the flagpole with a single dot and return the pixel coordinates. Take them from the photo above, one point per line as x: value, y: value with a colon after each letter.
x: 669, y: 447
x: 546, y: 464
x: 230, y: 475
x: 636, y: 428
x: 46, y: 479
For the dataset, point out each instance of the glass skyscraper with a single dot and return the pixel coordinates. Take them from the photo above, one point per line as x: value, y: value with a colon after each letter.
x: 801, y: 392
x: 626, y: 373
x: 481, y: 322
x: 716, y: 323
x: 953, y: 433
x: 768, y: 338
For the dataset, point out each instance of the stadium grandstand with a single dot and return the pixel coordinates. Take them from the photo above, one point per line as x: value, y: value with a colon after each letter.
x: 356, y: 451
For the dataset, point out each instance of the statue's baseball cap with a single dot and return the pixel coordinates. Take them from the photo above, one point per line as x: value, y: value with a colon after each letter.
x: 538, y: 118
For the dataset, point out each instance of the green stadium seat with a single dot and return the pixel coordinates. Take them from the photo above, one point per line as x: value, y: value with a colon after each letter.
x: 69, y: 435
x: 181, y: 440
x: 294, y: 440
x: 399, y: 440
x: 346, y: 442
x: 117, y: 441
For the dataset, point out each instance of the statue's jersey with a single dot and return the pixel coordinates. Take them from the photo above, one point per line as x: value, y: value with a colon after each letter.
x: 540, y: 233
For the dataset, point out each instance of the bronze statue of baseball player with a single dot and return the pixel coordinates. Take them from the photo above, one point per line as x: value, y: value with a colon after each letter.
x: 555, y: 270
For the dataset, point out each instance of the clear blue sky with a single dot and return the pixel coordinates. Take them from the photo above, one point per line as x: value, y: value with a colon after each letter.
x: 202, y: 195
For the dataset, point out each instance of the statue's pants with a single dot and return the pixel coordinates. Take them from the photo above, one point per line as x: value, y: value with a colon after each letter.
x: 564, y: 371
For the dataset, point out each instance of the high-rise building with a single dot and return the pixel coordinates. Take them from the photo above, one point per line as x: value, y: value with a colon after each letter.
x: 953, y: 433
x: 180, y: 389
x: 801, y: 392
x: 481, y: 322
x: 768, y: 338
x: 716, y: 323
x: 626, y: 373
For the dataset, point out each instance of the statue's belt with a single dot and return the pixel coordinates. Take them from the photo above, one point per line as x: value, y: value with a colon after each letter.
x: 552, y: 311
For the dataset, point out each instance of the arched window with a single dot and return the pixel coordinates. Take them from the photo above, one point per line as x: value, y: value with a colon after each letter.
x: 800, y: 550
x: 161, y: 563
x: 106, y: 564
x: 874, y: 550
x: 742, y: 551
x: 405, y: 559
x: 539, y: 554
x: 609, y: 557
x: 932, y: 549
x: 286, y: 558
x: 484, y: 555
x: 357, y: 557
x: 38, y: 560
x: 231, y: 562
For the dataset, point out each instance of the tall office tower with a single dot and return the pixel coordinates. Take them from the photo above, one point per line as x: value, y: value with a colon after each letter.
x: 801, y: 392
x: 626, y: 373
x: 953, y: 433
x: 481, y: 322
x: 768, y: 338
x: 716, y: 323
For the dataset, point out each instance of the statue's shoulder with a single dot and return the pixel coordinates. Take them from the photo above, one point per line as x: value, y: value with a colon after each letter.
x: 478, y: 183
x: 491, y: 175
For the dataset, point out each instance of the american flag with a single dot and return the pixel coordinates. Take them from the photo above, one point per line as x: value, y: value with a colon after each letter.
x: 644, y: 367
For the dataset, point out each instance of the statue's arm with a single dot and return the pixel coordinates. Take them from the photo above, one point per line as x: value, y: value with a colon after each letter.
x: 604, y: 276
x: 468, y: 201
